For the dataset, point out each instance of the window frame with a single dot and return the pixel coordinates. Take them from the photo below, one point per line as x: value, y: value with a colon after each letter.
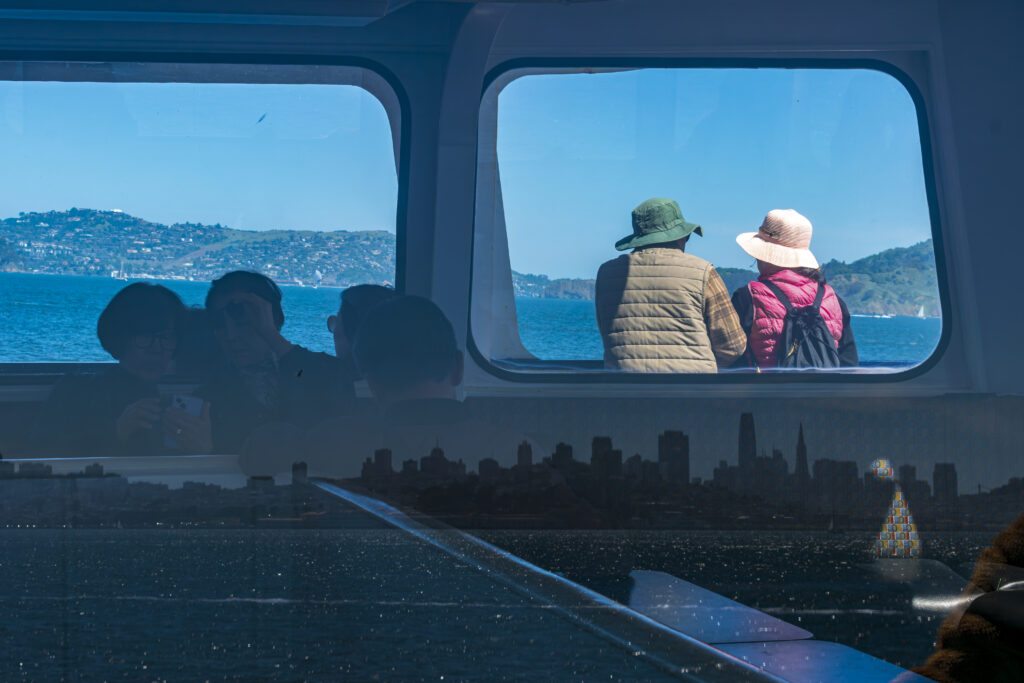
x: 588, y: 376
x: 45, y: 374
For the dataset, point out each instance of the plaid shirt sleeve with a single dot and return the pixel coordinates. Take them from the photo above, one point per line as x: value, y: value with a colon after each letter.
x: 728, y: 340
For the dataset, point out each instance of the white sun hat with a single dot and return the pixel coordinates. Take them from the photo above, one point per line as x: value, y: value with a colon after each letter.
x: 783, y: 240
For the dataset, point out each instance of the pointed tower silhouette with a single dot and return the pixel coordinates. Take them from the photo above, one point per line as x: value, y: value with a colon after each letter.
x: 801, y: 471
x: 898, y: 537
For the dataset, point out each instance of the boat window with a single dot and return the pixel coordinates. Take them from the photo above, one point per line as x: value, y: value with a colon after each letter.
x: 581, y: 173
x: 176, y: 174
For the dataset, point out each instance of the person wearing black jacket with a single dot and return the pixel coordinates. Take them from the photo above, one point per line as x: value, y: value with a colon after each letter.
x: 789, y: 280
x: 744, y: 305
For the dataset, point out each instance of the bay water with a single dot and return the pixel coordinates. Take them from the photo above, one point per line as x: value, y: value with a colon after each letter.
x: 52, y: 318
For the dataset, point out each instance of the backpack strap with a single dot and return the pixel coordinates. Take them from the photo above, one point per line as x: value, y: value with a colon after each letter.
x: 784, y: 300
x: 779, y: 294
x: 749, y: 352
x: 819, y: 296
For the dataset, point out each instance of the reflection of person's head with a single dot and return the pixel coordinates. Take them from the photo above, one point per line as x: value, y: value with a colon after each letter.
x: 140, y: 328
x: 235, y: 318
x: 405, y: 347
x: 356, y: 302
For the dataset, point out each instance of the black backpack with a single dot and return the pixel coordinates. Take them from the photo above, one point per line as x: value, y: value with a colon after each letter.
x: 805, y: 341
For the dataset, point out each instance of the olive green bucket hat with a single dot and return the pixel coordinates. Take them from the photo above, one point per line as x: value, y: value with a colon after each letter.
x: 657, y: 220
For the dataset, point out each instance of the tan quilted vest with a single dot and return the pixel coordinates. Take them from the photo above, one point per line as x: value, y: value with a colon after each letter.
x: 650, y: 310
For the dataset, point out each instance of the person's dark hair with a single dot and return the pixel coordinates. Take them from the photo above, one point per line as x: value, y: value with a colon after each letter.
x: 817, y: 274
x: 357, y: 301
x: 404, y: 341
x: 254, y: 283
x: 139, y: 308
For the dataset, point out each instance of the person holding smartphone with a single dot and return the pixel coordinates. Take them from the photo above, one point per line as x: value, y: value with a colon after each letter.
x: 119, y: 411
x: 266, y: 378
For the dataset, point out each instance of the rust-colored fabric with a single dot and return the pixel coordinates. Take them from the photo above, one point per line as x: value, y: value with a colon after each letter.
x: 724, y: 330
x: 970, y: 647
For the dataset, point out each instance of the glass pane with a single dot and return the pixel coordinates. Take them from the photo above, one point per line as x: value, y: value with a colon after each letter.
x: 579, y: 151
x: 179, y: 183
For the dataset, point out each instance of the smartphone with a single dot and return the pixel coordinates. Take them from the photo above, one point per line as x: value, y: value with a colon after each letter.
x: 193, y: 405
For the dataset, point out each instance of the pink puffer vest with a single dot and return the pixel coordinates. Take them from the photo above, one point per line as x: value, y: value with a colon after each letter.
x: 769, y: 312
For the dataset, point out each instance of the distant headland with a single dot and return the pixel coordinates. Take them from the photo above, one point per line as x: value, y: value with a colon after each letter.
x: 899, y: 281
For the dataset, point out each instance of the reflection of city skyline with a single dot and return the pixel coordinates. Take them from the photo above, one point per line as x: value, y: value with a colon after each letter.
x: 822, y: 486
x: 610, y: 490
x: 32, y: 495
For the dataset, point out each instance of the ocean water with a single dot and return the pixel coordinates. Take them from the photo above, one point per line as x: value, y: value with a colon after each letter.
x: 247, y: 604
x: 53, y: 318
x: 47, y: 318
x: 564, y: 329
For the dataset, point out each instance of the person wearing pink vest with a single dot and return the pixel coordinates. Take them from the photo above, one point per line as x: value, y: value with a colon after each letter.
x: 784, y: 260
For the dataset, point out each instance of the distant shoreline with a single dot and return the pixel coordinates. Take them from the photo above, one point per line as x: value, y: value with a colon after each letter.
x: 154, y: 278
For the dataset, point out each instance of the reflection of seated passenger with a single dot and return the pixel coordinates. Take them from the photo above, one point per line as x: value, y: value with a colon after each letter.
x: 355, y: 303
x: 406, y: 350
x: 660, y: 309
x: 268, y: 378
x: 784, y: 259
x: 118, y: 412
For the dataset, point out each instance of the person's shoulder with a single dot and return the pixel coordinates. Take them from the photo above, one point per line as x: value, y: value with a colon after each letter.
x: 693, y: 259
x: 300, y: 357
x: 76, y: 384
x: 670, y: 256
x: 742, y: 293
x: 342, y: 425
x: 338, y: 446
x: 839, y: 300
x: 616, y: 262
x: 304, y: 353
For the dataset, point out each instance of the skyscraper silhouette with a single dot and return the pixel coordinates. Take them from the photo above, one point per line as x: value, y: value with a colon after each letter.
x: 604, y: 460
x: 748, y: 442
x: 524, y: 455
x: 674, y: 456
x: 562, y: 457
x: 944, y: 483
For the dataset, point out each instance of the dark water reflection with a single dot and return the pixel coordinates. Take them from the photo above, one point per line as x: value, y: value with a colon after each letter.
x: 322, y: 604
x: 275, y: 605
x: 818, y: 581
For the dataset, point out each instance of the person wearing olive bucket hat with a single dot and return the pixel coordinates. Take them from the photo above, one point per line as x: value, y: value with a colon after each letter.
x: 786, y: 264
x: 660, y: 309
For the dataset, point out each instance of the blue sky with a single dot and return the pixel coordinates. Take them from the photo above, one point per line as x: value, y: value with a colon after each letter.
x: 576, y: 152
x: 321, y: 158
